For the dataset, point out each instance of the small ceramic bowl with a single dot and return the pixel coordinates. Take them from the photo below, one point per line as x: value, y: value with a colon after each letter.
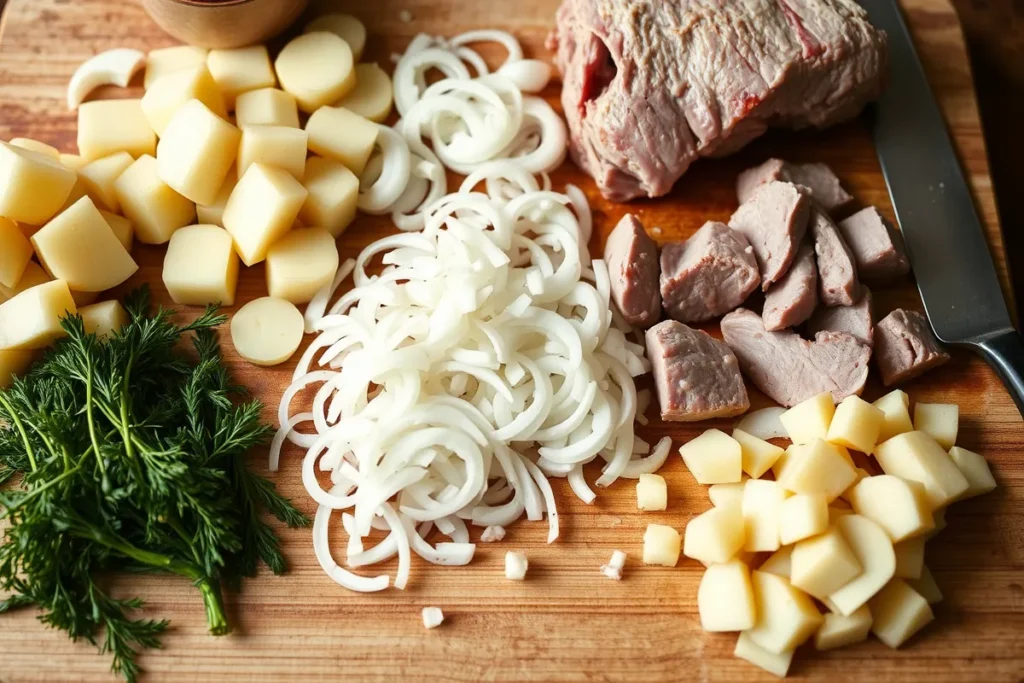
x: 224, y: 23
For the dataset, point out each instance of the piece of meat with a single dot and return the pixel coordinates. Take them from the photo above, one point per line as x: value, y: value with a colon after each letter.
x: 838, y: 283
x: 790, y: 369
x: 819, y: 180
x: 876, y: 246
x: 696, y: 375
x: 632, y: 259
x: 855, y: 319
x: 774, y: 221
x: 708, y: 275
x: 649, y: 86
x: 905, y: 347
x: 791, y: 300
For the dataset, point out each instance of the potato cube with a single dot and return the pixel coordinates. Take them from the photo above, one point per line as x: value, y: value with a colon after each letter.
x: 36, y: 146
x: 109, y: 126
x: 171, y: 92
x: 762, y: 501
x: 333, y: 195
x: 651, y: 490
x: 122, y: 228
x: 918, y: 457
x: 103, y: 319
x: 261, y: 209
x: 201, y: 266
x: 856, y: 424
x: 72, y: 162
x: 976, y: 471
x: 373, y: 95
x: 661, y: 545
x: 33, y: 275
x: 899, y: 612
x: 926, y: 586
x: 757, y: 455
x: 99, y: 177
x: 196, y: 151
x: 817, y: 467
x: 213, y: 214
x: 170, y: 59
x: 714, y: 457
x: 802, y: 516
x: 873, y: 550
x: 900, y: 506
x: 823, y: 564
x: 861, y: 473
x: 279, y: 146
x: 15, y: 253
x: 240, y: 70
x: 839, y: 630
x: 909, y: 558
x: 79, y: 247
x: 725, y: 598
x: 31, y: 319
x: 810, y: 419
x: 33, y: 186
x: 780, y: 464
x: 13, y: 363
x: 302, y: 263
x: 723, y: 495
x: 77, y: 192
x: 150, y: 204
x: 317, y: 68
x: 338, y: 134
x: 896, y: 407
x: 266, y: 107
x: 940, y: 421
x: 771, y: 662
x: 715, y: 535
x: 786, y: 617
x: 779, y: 563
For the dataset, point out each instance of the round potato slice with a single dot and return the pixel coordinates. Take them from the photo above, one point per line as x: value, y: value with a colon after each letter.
x: 372, y: 96
x: 267, y: 331
x: 345, y: 26
x: 316, y: 68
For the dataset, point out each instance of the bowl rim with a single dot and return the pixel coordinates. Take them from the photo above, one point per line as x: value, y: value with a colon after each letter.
x: 211, y: 4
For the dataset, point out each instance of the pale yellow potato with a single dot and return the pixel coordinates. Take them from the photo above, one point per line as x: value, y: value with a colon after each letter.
x: 896, y: 407
x: 725, y: 598
x: 302, y: 263
x: 201, y: 267
x: 926, y: 586
x: 780, y: 464
x: 337, y: 133
x: 773, y: 663
x: 651, y: 489
x: 267, y: 331
x: 15, y: 253
x: 278, y: 146
x: 266, y: 107
x: 372, y: 97
x: 810, y: 419
x: 762, y: 501
x: 169, y: 93
x: 77, y: 192
x: 861, y: 473
x: 152, y: 206
x: 714, y: 457
x: 104, y: 318
x: 333, y: 195
x: 817, y: 467
x: 317, y: 69
x: 13, y: 363
x: 898, y: 613
x: 33, y: 186
x: 170, y: 59
x: 856, y: 424
x: 123, y: 229
x: 715, y: 535
x: 213, y: 214
x: 79, y: 247
x: 99, y: 177
x: 874, y: 552
x: 109, y: 126
x: 835, y: 512
x: 36, y: 146
x: 786, y: 617
x: 802, y: 516
x: 839, y: 630
x: 31, y: 319
x: 976, y: 471
x: 33, y: 275
x: 823, y: 564
x: 900, y: 506
x: 727, y: 494
x: 261, y: 209
x: 240, y: 70
x: 757, y: 455
x: 941, y: 421
x: 345, y: 26
x: 779, y: 563
x: 918, y: 457
x: 72, y: 162
x: 661, y: 545
x: 909, y: 558
x: 196, y: 152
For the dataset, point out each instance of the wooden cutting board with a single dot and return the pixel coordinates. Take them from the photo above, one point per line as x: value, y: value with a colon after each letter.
x: 566, y: 622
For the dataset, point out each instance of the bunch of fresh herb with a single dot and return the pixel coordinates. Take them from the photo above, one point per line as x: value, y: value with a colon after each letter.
x: 131, y: 456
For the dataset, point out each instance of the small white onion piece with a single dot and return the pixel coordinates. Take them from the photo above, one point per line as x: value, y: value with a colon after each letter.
x: 764, y: 424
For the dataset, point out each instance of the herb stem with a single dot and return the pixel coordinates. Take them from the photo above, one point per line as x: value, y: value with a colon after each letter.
x: 21, y: 430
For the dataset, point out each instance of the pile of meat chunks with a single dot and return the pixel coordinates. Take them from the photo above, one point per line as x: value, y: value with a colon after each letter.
x: 814, y: 272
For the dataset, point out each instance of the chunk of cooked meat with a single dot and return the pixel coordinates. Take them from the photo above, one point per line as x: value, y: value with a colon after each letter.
x: 774, y: 221
x: 838, y: 283
x: 876, y: 246
x: 632, y: 259
x: 819, y: 180
x: 855, y: 319
x: 905, y: 347
x: 791, y: 300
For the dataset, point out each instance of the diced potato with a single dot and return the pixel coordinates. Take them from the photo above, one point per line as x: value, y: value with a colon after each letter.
x: 333, y: 195
x: 213, y: 214
x: 873, y: 550
x: 661, y: 545
x: 31, y: 320
x: 715, y: 535
x: 99, y: 177
x: 779, y: 563
x: 651, y: 490
x: 201, y: 266
x: 15, y: 253
x: 780, y: 464
x: 941, y: 421
x: 267, y: 331
x: 372, y: 97
x: 771, y: 662
x: 810, y: 419
x: 317, y: 69
x: 856, y: 424
x: 725, y: 598
x: 896, y: 407
x: 900, y: 506
x: 839, y: 630
x: 345, y: 26
x: 171, y: 92
x: 261, y: 209
x: 822, y: 565
x: 337, y: 133
x: 802, y: 516
x: 909, y: 558
x: 73, y: 162
x: 196, y: 151
x: 33, y: 186
x: 279, y: 146
x: 861, y: 473
x: 109, y: 126
x: 758, y: 455
x: 13, y: 363
x: 918, y: 457
x: 762, y: 501
x: 714, y: 457
x: 170, y: 59
x: 150, y: 204
x: 723, y: 495
x: 899, y: 612
x: 77, y: 192
x: 266, y: 107
x: 786, y: 617
x: 926, y: 586
x: 33, y: 275
x: 817, y: 467
x: 79, y: 247
x: 975, y: 469
x: 240, y: 70
x: 36, y: 146
x: 103, y: 319
x: 123, y: 229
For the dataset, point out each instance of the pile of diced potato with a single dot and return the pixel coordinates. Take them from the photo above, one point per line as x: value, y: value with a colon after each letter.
x: 213, y: 162
x: 847, y: 546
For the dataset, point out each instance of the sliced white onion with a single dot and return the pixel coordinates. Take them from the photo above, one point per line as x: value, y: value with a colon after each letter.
x: 764, y: 424
x: 529, y: 75
x: 394, y: 175
x: 113, y: 67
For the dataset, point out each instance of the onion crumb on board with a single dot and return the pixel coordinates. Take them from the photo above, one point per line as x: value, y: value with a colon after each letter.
x: 432, y: 617
x: 613, y: 570
x: 516, y: 565
x: 492, y: 534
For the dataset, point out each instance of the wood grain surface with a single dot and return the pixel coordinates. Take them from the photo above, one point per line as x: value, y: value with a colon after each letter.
x: 566, y: 622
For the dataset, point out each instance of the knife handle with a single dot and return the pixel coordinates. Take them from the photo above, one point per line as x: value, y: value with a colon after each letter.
x: 1005, y: 353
